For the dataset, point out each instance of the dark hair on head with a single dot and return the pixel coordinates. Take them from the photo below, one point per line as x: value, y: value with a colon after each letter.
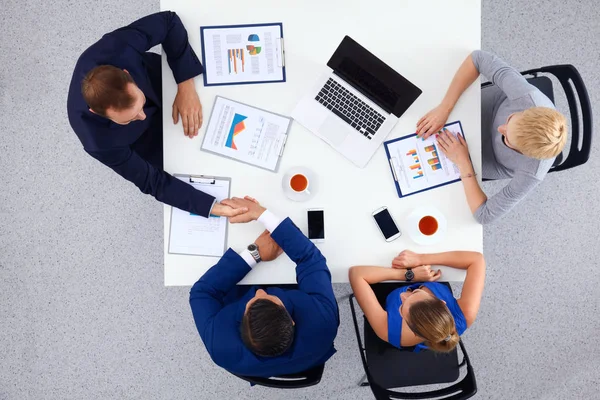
x: 267, y: 328
x: 431, y: 320
x: 105, y: 87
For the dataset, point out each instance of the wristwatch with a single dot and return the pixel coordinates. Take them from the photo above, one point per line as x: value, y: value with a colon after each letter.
x: 409, y: 275
x: 253, y: 249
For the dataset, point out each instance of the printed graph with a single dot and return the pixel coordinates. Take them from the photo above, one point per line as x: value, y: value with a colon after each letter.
x: 417, y: 171
x: 253, y: 47
x: 434, y: 161
x: 236, y: 61
x: 237, y: 127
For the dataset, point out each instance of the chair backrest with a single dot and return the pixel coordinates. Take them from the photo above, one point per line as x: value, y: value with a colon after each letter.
x: 299, y: 380
x: 376, y: 351
x: 581, y: 133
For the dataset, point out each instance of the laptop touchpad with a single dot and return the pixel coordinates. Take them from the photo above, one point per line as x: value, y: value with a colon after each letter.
x: 334, y: 130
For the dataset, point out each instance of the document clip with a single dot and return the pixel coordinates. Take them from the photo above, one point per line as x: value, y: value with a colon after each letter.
x: 281, y: 53
x: 393, y: 169
x: 283, y: 146
x: 200, y: 179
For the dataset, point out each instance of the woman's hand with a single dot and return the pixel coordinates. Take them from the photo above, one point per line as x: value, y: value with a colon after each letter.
x: 433, y: 121
x: 455, y: 148
x: 407, y: 259
x: 424, y: 273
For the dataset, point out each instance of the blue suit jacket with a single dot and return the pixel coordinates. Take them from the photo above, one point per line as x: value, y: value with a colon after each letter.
x: 134, y: 151
x: 218, y: 307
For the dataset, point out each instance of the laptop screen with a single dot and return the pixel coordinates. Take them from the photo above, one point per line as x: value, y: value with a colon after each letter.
x: 373, y: 78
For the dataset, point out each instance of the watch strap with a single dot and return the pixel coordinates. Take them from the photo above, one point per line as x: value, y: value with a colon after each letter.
x: 254, y: 252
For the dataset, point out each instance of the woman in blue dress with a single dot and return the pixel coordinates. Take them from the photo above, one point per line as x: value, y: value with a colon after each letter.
x: 423, y: 314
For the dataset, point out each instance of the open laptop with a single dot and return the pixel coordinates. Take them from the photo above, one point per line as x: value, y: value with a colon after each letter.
x: 354, y: 107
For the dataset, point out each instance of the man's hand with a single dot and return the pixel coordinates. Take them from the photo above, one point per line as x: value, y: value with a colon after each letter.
x: 222, y: 210
x: 255, y: 210
x: 424, y: 273
x: 187, y: 104
x: 433, y: 121
x: 267, y: 247
x: 455, y: 148
x: 407, y: 259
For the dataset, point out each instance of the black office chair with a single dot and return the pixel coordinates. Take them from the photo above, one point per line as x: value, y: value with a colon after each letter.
x: 388, y: 367
x: 581, y: 136
x: 298, y: 380
x: 303, y: 379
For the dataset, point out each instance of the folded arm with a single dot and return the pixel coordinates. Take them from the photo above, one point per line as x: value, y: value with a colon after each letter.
x: 472, y: 291
x: 361, y: 278
x: 312, y: 273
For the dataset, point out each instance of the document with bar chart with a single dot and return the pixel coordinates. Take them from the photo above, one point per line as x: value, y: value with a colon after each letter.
x: 242, y: 54
x: 418, y: 165
x: 245, y: 133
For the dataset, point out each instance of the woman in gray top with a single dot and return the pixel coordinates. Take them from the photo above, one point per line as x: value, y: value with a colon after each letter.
x: 521, y: 134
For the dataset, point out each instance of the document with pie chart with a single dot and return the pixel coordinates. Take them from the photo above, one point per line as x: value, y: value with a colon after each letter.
x: 245, y: 133
x: 242, y: 54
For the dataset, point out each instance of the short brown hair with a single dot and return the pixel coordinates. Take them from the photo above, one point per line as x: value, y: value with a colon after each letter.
x: 540, y: 133
x: 431, y: 320
x: 105, y: 87
x: 267, y: 328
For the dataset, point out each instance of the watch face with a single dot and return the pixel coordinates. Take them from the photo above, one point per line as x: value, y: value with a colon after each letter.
x: 252, y: 247
x: 409, y: 275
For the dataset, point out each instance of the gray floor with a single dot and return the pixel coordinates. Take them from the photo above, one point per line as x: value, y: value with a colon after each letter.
x: 83, y: 310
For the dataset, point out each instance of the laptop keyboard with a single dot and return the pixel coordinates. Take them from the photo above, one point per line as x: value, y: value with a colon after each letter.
x: 350, y: 108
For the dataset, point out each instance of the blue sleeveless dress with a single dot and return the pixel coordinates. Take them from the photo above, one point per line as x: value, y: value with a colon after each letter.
x: 393, y: 303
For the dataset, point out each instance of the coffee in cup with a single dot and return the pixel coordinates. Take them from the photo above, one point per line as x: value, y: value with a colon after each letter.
x: 428, y: 225
x: 299, y: 183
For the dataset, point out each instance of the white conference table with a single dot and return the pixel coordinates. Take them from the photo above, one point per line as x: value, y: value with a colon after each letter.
x: 425, y: 41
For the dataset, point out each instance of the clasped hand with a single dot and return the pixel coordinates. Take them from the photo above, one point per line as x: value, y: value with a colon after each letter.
x: 238, y: 210
x: 410, y: 259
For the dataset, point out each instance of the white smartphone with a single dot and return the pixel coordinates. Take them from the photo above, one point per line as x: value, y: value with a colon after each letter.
x: 386, y: 224
x: 316, y: 225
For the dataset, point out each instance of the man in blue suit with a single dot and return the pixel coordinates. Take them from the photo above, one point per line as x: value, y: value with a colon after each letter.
x: 115, y: 107
x: 267, y: 332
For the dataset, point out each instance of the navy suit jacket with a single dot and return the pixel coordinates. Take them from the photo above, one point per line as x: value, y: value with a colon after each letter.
x: 134, y: 151
x: 218, y: 307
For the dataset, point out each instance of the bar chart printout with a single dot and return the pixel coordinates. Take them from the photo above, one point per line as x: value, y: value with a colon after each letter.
x: 419, y: 164
x: 417, y: 171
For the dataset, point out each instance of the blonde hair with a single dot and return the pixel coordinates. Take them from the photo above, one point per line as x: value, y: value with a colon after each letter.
x: 431, y: 320
x: 540, y: 133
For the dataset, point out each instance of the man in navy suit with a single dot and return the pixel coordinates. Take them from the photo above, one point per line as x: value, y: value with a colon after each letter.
x: 272, y: 331
x: 115, y: 107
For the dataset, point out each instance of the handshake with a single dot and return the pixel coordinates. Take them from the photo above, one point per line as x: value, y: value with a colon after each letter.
x: 238, y: 210
x: 246, y: 210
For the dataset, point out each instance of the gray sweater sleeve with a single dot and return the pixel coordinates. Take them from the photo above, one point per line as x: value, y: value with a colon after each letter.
x: 507, y: 78
x: 503, y: 201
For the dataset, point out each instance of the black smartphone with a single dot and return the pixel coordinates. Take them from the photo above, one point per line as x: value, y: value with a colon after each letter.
x: 316, y: 225
x: 386, y: 224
